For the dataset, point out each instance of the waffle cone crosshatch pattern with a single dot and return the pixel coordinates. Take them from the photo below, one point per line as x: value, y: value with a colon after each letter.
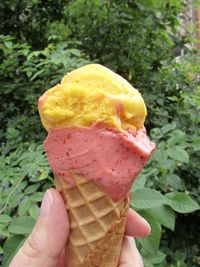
x: 97, y: 223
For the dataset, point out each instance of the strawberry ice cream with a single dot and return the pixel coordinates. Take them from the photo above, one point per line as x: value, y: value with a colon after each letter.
x: 111, y: 158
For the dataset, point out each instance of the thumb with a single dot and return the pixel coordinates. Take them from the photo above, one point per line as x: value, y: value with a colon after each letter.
x: 45, y: 244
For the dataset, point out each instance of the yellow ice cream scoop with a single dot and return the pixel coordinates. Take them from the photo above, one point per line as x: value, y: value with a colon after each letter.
x: 92, y: 94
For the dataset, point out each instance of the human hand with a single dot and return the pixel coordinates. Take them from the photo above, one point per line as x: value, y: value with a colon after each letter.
x: 136, y: 226
x: 45, y: 246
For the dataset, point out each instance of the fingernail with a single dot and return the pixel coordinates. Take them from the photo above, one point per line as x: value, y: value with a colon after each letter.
x: 47, y: 204
x: 148, y: 228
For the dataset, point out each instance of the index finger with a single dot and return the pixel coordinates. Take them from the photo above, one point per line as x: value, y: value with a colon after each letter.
x: 136, y: 225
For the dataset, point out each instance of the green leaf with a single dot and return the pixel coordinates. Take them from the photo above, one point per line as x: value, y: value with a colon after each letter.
x: 34, y: 211
x: 140, y: 182
x: 24, y: 206
x: 178, y: 153
x: 75, y: 52
x: 147, y: 263
x: 196, y: 143
x: 181, y: 202
x: 22, y: 225
x: 167, y: 128
x: 164, y: 215
x: 10, y: 248
x: 16, y: 198
x: 151, y: 243
x: 160, y: 156
x: 37, y: 196
x: 12, y: 133
x: 163, y: 161
x: 38, y: 73
x: 147, y: 198
x: 31, y: 189
x: 4, y: 230
x: 157, y: 258
x: 8, y: 44
x: 174, y: 181
x: 4, y: 218
x: 177, y: 137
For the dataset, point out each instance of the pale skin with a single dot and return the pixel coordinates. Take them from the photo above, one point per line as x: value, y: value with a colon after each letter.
x: 45, y: 245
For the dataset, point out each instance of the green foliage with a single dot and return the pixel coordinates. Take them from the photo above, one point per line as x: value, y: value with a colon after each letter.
x: 24, y: 176
x: 24, y: 75
x: 139, y: 49
x: 27, y: 20
x: 40, y: 42
x: 20, y: 170
x: 159, y: 192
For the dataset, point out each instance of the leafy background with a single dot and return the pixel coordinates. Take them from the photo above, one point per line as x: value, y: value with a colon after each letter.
x: 41, y: 41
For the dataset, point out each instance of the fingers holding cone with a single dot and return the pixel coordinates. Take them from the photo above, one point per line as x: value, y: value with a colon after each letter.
x: 136, y: 226
x: 45, y: 245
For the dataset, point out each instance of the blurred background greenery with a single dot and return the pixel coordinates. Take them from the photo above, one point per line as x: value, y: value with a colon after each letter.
x: 142, y: 40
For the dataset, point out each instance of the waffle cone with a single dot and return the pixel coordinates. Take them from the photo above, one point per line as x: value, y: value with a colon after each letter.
x: 97, y: 223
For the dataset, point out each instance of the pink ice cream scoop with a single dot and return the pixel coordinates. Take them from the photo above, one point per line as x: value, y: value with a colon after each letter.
x: 111, y: 158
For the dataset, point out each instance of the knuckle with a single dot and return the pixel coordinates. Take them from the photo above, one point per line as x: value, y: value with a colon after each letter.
x: 32, y: 246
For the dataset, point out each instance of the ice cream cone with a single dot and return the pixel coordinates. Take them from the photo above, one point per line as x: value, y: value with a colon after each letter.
x: 97, y: 223
x: 95, y: 123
